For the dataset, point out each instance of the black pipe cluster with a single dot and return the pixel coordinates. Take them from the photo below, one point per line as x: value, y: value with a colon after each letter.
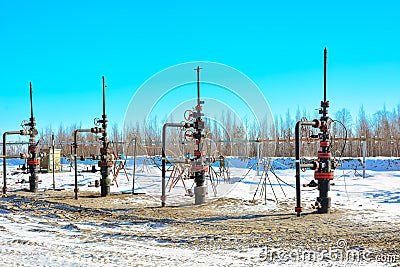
x: 105, y: 158
x: 33, y: 160
x: 324, y: 166
x: 199, y: 173
x: 33, y: 152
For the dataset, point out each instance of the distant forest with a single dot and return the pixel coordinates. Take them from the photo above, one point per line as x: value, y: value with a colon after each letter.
x: 381, y: 131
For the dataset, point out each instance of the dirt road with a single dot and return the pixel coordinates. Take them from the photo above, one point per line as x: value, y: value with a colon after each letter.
x: 224, y: 224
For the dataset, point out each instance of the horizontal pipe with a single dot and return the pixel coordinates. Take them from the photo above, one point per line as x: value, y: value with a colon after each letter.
x: 224, y: 141
x: 179, y: 161
x: 11, y: 157
x: 307, y: 166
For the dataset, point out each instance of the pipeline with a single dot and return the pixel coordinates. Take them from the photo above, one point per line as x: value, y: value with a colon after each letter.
x: 75, y: 146
x: 163, y: 158
x: 4, y: 156
x: 298, y: 208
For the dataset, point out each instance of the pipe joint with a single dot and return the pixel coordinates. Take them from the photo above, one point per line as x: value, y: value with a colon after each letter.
x: 25, y: 132
x: 316, y: 123
x: 97, y: 130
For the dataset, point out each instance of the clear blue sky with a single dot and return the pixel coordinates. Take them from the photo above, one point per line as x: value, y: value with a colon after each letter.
x: 64, y: 47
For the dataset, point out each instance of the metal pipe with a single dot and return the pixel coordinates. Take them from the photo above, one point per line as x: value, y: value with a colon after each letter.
x: 104, y: 95
x: 30, y: 87
x: 364, y: 152
x: 258, y: 158
x: 22, y: 132
x: 198, y: 84
x: 179, y: 161
x: 75, y: 145
x: 134, y: 167
x: 163, y: 169
x: 105, y: 162
x: 307, y: 165
x: 325, y: 59
x: 298, y: 208
x: 53, y: 158
x: 32, y: 161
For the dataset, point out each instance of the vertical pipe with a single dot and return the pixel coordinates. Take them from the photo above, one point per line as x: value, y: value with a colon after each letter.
x: 134, y: 167
x: 22, y: 132
x: 298, y: 208
x: 4, y: 164
x: 105, y: 181
x: 199, y: 175
x: 258, y: 158
x: 30, y: 89
x: 33, y: 161
x: 325, y: 59
x: 163, y: 159
x: 198, y: 84
x: 75, y: 145
x: 364, y: 154
x: 53, y: 158
x: 163, y: 196
x: 104, y: 95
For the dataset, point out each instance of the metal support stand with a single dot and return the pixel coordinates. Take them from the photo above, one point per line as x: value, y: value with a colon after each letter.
x: 364, y: 152
x: 53, y: 159
x: 134, y: 167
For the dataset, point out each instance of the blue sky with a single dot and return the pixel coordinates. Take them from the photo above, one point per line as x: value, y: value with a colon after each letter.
x: 64, y: 47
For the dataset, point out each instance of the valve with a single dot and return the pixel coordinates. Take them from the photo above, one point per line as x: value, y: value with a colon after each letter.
x: 97, y: 130
x: 188, y: 115
x: 311, y: 184
x: 25, y: 132
x: 189, y: 135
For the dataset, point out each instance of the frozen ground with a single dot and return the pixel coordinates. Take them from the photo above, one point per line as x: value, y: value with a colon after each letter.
x: 246, y: 221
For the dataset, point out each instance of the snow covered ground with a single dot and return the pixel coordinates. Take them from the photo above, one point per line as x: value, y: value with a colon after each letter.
x: 53, y: 240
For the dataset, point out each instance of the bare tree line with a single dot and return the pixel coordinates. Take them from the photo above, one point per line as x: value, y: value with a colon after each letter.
x: 230, y: 138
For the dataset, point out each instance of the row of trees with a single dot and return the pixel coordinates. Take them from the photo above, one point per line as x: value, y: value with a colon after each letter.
x: 227, y: 137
